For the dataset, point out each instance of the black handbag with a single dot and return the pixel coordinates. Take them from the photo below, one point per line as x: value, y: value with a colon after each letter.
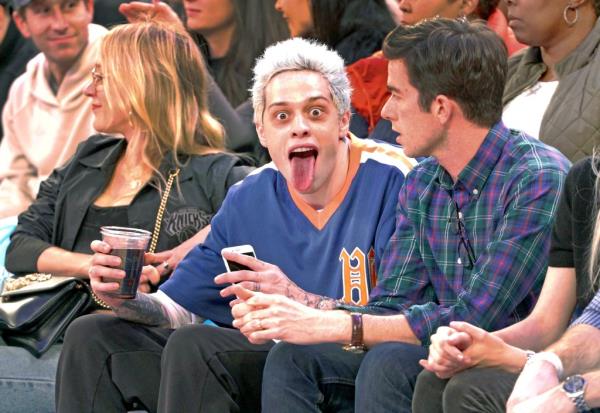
x: 36, y: 309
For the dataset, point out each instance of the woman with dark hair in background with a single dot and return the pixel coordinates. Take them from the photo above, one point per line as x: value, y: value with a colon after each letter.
x: 230, y: 33
x: 247, y: 28
x: 355, y: 29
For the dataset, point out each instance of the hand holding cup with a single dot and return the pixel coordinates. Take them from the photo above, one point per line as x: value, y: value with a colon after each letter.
x: 123, y: 257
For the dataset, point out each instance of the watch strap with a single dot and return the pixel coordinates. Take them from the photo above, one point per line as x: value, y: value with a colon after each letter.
x: 580, y: 403
x: 356, y: 342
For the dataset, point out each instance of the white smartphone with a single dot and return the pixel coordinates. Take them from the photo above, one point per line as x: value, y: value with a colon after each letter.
x: 240, y: 249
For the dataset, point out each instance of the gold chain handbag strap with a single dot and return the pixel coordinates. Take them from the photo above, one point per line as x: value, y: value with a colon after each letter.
x: 161, y: 210
x: 157, y: 225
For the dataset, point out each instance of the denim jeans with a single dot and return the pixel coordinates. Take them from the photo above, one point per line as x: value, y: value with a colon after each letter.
x: 326, y: 378
x: 27, y: 383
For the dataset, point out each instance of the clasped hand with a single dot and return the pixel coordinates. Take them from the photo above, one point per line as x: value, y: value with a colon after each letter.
x: 461, y: 346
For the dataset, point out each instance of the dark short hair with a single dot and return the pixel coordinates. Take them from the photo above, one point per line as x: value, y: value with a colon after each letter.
x: 465, y: 61
x: 485, y: 8
x: 335, y: 20
x: 21, y: 5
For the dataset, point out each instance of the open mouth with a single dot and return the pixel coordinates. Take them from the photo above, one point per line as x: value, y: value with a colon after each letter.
x: 303, y: 160
x: 303, y: 152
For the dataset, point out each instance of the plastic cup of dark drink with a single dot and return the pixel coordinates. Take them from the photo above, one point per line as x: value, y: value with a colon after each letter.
x: 129, y: 244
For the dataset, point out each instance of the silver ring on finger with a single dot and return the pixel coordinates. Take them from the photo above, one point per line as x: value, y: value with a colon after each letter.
x: 260, y: 327
x: 256, y: 286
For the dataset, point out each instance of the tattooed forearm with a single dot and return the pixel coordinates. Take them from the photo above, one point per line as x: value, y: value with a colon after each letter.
x: 144, y: 309
x: 326, y: 303
x: 320, y: 302
x: 310, y: 300
x: 314, y: 301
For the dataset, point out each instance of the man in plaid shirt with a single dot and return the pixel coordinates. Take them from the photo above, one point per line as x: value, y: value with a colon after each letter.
x: 472, y: 234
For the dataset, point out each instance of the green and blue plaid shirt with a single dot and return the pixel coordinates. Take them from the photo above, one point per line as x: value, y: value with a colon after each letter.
x: 475, y: 249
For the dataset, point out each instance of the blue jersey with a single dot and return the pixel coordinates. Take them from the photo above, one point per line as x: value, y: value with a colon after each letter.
x: 333, y: 252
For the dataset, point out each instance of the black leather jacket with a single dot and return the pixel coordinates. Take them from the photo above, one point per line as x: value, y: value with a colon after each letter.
x: 55, y: 218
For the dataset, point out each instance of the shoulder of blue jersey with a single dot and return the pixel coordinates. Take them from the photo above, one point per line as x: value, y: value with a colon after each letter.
x: 384, y: 153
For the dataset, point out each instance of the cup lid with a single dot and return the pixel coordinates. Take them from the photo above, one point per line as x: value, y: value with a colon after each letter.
x: 125, y: 232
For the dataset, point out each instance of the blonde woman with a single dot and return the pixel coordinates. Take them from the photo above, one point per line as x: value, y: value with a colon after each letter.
x: 572, y: 282
x: 149, y: 87
x: 148, y: 99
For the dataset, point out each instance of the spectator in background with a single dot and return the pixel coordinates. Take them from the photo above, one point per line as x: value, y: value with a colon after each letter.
x: 238, y: 30
x: 355, y: 29
x: 413, y: 11
x: 107, y: 13
x: 490, y: 11
x: 553, y: 88
x: 395, y: 11
x: 46, y: 115
x: 231, y: 34
x: 15, y: 52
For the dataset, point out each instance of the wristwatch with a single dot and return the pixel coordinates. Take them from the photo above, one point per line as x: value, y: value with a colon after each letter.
x: 356, y: 343
x: 574, y: 387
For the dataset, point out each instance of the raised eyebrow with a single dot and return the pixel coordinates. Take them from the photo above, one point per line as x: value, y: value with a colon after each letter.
x: 275, y: 104
x: 315, y: 98
x: 309, y: 101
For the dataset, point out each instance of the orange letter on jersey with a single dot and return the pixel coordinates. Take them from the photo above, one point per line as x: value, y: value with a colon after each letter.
x: 354, y: 275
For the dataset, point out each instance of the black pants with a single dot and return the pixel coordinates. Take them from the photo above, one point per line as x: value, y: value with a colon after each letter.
x: 476, y: 390
x: 110, y: 365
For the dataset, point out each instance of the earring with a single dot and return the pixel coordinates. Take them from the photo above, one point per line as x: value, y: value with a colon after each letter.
x: 570, y: 23
x: 129, y: 121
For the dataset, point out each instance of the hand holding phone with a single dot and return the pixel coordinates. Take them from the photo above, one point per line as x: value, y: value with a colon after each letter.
x: 240, y: 249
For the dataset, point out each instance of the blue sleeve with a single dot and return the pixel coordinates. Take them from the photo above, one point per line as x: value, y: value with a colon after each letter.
x: 192, y: 284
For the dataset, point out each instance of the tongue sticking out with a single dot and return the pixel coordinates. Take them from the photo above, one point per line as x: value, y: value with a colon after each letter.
x: 303, y: 169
